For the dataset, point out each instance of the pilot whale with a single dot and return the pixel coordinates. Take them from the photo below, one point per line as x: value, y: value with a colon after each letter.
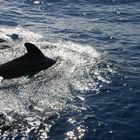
x: 32, y: 62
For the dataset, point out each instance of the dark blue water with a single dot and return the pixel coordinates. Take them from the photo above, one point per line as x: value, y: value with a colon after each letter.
x: 93, y: 92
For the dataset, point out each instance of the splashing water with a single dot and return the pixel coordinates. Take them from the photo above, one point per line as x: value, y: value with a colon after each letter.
x: 50, y: 91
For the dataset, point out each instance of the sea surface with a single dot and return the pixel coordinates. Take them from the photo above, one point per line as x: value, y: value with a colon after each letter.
x: 93, y: 91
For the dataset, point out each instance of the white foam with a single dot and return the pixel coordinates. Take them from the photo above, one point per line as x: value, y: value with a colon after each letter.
x: 55, y: 89
x: 52, y: 90
x: 26, y: 35
x: 72, y: 71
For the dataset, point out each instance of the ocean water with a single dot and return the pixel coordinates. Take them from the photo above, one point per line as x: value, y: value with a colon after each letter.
x: 93, y: 91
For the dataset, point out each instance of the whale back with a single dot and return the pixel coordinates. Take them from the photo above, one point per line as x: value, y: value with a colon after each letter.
x: 33, y: 61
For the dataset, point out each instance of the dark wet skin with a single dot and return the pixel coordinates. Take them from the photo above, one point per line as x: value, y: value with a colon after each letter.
x: 32, y: 62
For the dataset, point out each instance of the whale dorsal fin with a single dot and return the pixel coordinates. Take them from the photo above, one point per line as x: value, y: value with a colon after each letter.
x: 33, y: 50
